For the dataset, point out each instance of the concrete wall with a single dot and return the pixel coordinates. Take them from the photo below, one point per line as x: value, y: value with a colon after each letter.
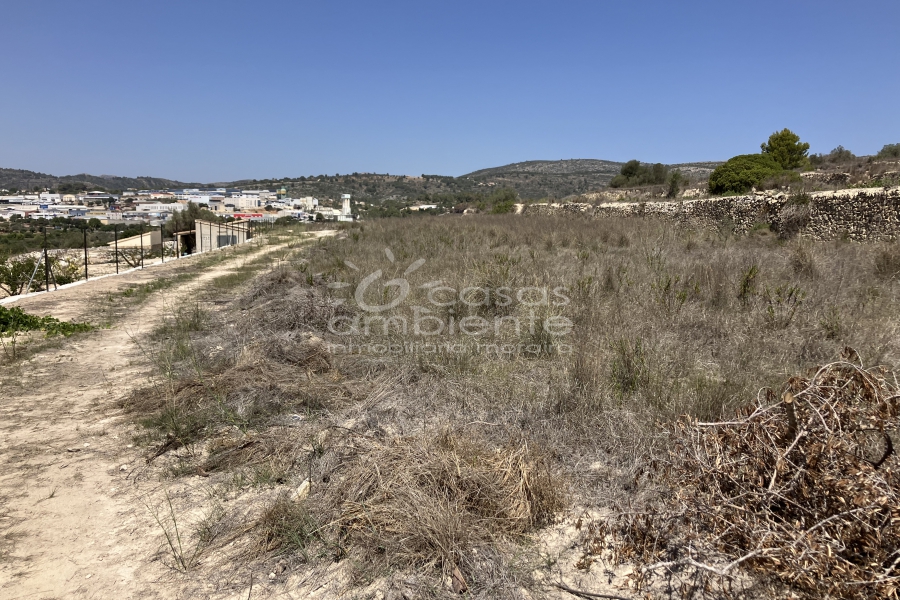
x: 151, y: 240
x: 210, y: 236
x: 860, y: 214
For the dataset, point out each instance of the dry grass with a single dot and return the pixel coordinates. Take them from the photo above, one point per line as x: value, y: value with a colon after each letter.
x: 247, y: 396
x: 402, y: 448
x: 443, y: 503
x: 887, y: 262
x: 426, y: 502
x: 804, y: 490
x: 286, y: 527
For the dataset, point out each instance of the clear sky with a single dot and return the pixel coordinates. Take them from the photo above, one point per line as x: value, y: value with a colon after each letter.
x: 222, y: 90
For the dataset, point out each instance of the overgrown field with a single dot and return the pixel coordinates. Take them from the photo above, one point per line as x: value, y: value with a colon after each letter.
x: 426, y: 397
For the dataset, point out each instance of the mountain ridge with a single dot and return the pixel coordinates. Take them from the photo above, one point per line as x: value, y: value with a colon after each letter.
x: 530, y: 179
x: 25, y: 180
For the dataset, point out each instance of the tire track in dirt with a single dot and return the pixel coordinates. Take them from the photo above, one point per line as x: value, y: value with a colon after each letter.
x: 73, y: 523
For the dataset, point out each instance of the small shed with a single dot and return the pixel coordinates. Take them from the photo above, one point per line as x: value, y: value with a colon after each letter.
x: 210, y: 236
x: 185, y: 242
x: 151, y: 241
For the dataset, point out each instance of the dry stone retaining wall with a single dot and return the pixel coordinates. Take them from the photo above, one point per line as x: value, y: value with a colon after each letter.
x: 860, y: 214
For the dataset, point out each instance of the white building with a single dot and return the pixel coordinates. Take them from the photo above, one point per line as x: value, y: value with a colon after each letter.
x: 245, y: 202
x: 205, y: 199
x: 48, y: 198
x: 185, y: 194
x: 97, y: 197
x: 307, y: 203
x: 158, y: 207
x: 263, y: 195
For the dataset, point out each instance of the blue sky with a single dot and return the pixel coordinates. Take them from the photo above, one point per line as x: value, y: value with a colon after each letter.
x: 221, y: 90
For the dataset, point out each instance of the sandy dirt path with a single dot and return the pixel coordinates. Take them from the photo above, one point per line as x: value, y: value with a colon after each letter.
x: 73, y: 522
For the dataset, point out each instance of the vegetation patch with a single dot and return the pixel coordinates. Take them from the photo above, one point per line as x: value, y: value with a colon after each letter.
x: 803, y: 488
x: 739, y: 174
x: 390, y: 457
x: 430, y: 502
x: 14, y: 322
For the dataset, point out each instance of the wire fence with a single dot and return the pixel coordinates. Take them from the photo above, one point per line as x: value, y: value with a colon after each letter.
x: 82, y: 254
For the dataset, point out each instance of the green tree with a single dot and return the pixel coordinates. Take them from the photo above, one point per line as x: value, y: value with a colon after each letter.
x: 889, y: 151
x: 633, y: 174
x: 16, y: 272
x: 743, y: 172
x: 839, y: 155
x: 787, y: 149
x: 674, y: 184
x: 94, y: 223
x: 631, y: 169
x: 503, y: 201
x: 183, y: 220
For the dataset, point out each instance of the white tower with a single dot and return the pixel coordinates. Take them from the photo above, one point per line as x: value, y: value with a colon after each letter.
x: 345, y: 198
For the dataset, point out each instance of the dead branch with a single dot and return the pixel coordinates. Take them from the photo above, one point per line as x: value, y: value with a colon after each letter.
x: 583, y: 594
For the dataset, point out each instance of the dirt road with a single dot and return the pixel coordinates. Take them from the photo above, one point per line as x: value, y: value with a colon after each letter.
x: 73, y: 522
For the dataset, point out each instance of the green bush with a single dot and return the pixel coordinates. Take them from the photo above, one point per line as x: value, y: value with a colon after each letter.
x: 16, y: 273
x: 784, y: 179
x: 14, y: 322
x: 839, y: 155
x: 743, y: 172
x: 633, y: 174
x: 889, y: 151
x: 674, y: 184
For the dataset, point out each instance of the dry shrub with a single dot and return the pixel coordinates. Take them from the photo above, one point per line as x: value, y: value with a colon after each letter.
x: 430, y: 502
x: 805, y: 490
x: 271, y: 284
x: 887, y: 262
x: 273, y: 448
x: 794, y: 216
x: 249, y: 394
x: 286, y: 526
x: 299, y: 349
x: 286, y: 299
x: 802, y: 261
x: 301, y: 307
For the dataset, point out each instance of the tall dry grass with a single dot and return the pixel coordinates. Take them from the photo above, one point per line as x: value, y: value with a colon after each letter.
x: 665, y: 321
x: 670, y: 319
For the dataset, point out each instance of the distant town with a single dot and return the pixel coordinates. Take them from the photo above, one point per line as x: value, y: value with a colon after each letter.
x: 157, y: 206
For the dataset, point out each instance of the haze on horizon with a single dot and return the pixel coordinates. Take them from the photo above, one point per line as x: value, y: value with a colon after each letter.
x: 217, y: 91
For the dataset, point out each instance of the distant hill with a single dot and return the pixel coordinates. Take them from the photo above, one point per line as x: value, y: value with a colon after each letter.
x: 531, y: 179
x: 572, y: 166
x: 561, y: 178
x: 576, y: 166
x: 23, y: 180
x: 549, y: 178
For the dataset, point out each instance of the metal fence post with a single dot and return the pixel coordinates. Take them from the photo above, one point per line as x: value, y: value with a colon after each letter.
x: 142, y: 244
x: 162, y: 244
x: 116, y: 237
x: 46, y: 263
x: 84, y: 231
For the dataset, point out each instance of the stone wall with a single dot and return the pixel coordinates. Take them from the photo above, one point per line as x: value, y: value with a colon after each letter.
x: 860, y: 214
